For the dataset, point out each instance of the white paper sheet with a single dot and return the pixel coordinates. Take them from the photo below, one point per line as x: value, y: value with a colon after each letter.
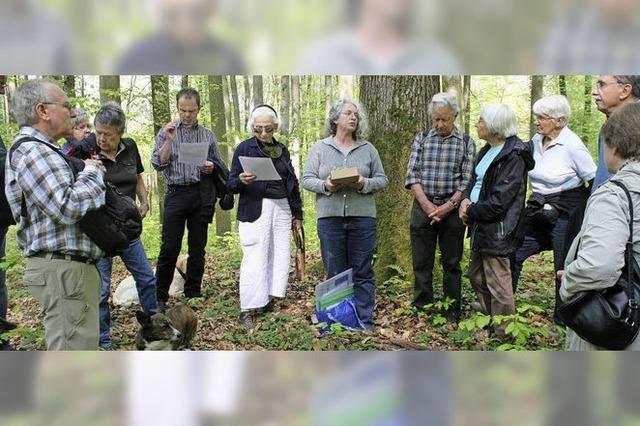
x: 260, y: 166
x: 193, y: 153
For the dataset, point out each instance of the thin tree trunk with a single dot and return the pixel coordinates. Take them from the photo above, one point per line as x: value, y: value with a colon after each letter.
x: 588, y: 87
x: 536, y: 93
x: 453, y: 84
x: 110, y: 89
x: 236, y: 103
x: 328, y: 93
x: 466, y: 90
x: 285, y: 88
x: 161, y: 116
x: 562, y: 85
x: 216, y: 99
x: 295, y: 123
x: 69, y: 85
x: 227, y: 105
x: 184, y: 81
x: 258, y: 95
x: 397, y: 108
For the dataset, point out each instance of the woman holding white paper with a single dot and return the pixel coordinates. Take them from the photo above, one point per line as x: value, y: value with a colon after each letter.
x: 267, y: 211
x: 347, y: 211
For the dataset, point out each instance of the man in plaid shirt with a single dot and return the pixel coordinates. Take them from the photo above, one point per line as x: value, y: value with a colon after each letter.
x: 440, y: 169
x: 47, y: 203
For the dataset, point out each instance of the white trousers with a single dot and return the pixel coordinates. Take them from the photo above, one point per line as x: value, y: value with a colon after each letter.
x: 266, y: 249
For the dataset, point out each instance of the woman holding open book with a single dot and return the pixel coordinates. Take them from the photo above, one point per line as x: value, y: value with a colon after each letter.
x: 268, y: 208
x: 344, y: 171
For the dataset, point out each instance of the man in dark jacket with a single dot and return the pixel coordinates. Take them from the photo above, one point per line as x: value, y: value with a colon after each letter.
x: 493, y: 208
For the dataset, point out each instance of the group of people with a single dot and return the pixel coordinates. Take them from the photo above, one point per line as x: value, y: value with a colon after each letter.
x: 456, y: 191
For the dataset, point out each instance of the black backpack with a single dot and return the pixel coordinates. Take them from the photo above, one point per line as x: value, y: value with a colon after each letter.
x: 6, y: 218
x: 111, y: 227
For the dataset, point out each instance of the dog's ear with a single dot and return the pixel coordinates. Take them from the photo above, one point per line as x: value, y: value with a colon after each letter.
x: 144, y: 318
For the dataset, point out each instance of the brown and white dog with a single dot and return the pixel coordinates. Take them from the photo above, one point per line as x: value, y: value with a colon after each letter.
x: 172, y: 330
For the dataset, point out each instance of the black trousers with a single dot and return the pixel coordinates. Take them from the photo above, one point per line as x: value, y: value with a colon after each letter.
x: 449, y: 235
x: 182, y: 206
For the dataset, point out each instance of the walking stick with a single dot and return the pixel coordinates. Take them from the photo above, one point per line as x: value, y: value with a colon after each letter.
x: 298, y: 237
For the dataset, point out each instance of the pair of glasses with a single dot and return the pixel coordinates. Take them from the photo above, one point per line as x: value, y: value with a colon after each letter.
x: 65, y: 105
x: 602, y: 84
x: 84, y: 127
x: 258, y: 130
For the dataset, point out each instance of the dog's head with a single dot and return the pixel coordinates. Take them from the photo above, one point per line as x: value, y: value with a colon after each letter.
x: 156, y: 331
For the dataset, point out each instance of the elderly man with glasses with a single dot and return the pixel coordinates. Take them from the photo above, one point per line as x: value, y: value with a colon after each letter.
x: 47, y: 202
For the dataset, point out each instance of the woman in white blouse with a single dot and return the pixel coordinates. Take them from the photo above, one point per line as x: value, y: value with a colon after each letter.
x: 563, y: 167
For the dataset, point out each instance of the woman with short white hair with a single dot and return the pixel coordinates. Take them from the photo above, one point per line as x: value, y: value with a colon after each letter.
x: 563, y: 166
x: 267, y: 211
x: 493, y: 208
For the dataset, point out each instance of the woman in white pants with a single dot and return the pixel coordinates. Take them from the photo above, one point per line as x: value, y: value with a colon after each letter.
x: 267, y: 211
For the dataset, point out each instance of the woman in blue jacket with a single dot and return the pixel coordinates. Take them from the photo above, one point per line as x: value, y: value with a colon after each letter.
x: 267, y: 211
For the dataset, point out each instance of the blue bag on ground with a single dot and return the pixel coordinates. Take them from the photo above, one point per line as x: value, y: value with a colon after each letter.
x: 335, y: 302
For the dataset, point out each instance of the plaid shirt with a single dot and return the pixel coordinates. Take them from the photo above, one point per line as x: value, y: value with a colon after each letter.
x: 176, y: 173
x: 54, y: 202
x: 442, y: 165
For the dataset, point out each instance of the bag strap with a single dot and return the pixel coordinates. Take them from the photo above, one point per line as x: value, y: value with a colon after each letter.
x: 628, y: 251
x: 16, y: 145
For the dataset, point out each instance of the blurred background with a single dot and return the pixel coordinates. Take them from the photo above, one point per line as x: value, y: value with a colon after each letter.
x: 319, y: 36
x: 232, y: 388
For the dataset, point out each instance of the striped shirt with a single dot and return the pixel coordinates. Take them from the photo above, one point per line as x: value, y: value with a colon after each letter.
x: 176, y: 173
x: 442, y: 165
x: 54, y: 201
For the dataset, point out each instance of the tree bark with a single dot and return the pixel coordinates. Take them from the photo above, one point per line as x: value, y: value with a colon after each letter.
x: 184, y: 82
x: 328, y: 93
x: 295, y: 124
x: 285, y: 89
x: 258, y: 95
x: 69, y: 85
x: 453, y: 84
x: 397, y: 108
x: 216, y: 99
x: 466, y: 90
x: 235, y: 100
x: 562, y: 85
x: 588, y: 87
x: 110, y: 89
x: 536, y: 93
x: 161, y: 116
x: 227, y: 104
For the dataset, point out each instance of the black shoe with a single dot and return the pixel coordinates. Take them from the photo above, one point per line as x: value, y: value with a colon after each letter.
x: 6, y: 325
x: 247, y: 319
x: 162, y: 306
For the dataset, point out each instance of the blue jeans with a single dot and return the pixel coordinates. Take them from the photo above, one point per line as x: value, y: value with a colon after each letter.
x: 349, y: 242
x: 136, y: 261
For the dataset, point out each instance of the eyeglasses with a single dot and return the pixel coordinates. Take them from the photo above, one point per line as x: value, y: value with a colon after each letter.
x: 267, y: 129
x: 65, y: 105
x: 84, y: 127
x: 602, y: 84
x: 543, y: 118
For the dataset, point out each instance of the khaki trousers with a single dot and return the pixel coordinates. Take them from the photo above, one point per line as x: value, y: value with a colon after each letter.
x: 490, y: 277
x: 68, y: 293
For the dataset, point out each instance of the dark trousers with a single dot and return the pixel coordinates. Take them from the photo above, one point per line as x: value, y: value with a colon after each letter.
x: 182, y: 205
x: 539, y: 238
x: 4, y: 296
x: 350, y: 242
x: 449, y: 236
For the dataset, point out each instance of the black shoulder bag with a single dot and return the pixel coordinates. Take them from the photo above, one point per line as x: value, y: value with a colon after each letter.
x: 609, y: 318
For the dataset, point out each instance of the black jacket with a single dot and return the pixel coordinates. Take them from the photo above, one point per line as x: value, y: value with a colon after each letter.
x: 6, y: 217
x: 496, y: 219
x: 250, y: 203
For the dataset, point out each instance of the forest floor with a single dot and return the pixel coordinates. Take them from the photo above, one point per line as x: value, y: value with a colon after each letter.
x: 398, y: 325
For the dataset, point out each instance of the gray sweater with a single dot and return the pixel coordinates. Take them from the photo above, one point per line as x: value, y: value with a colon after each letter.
x: 324, y: 157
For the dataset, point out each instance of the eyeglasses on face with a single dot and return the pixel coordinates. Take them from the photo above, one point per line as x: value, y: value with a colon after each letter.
x: 267, y: 129
x: 65, y: 105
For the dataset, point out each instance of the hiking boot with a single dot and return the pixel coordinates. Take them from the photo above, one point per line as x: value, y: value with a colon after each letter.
x: 247, y: 319
x: 162, y: 306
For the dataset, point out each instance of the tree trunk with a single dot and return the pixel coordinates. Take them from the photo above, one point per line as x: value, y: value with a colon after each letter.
x: 110, y: 89
x: 536, y: 93
x: 236, y: 103
x: 258, y: 95
x: 227, y: 105
x: 161, y: 116
x: 453, y: 84
x: 295, y: 124
x: 285, y: 88
x: 586, y: 119
x: 466, y: 90
x: 397, y: 108
x: 328, y: 93
x: 184, y: 82
x: 247, y: 98
x: 345, y: 84
x: 216, y: 99
x: 69, y: 86
x: 562, y: 85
